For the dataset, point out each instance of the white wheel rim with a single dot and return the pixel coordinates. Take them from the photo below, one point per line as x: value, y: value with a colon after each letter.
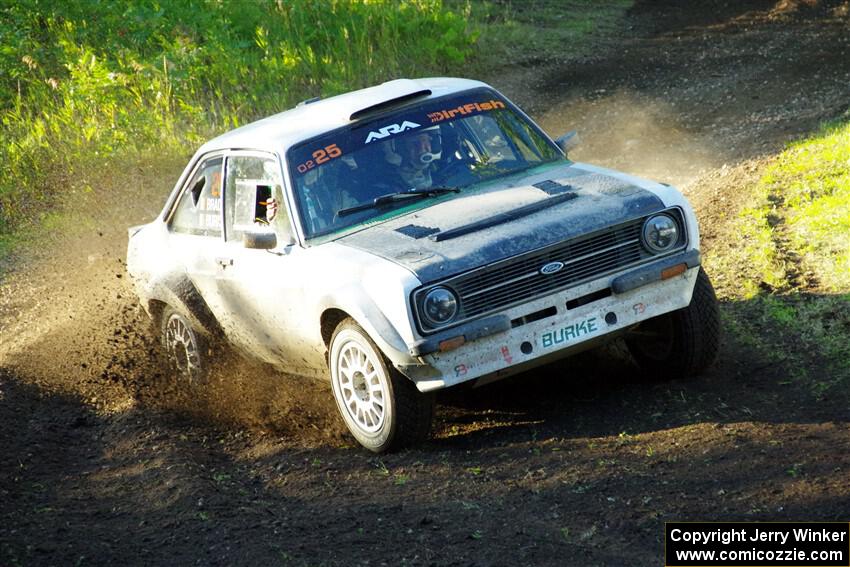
x: 361, y: 386
x: 182, y: 348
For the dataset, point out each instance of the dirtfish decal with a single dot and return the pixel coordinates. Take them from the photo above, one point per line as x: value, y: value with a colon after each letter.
x: 568, y: 333
x: 382, y: 133
x: 464, y: 110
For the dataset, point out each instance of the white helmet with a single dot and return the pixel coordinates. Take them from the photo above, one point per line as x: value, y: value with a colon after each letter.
x: 425, y: 158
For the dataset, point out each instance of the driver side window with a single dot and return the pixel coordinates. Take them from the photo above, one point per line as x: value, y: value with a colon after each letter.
x: 251, y: 182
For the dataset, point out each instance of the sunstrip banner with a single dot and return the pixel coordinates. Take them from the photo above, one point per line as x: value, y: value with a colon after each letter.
x: 347, y: 141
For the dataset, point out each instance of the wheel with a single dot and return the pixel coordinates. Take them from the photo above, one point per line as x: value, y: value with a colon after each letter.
x: 380, y: 407
x: 184, y: 347
x: 681, y: 343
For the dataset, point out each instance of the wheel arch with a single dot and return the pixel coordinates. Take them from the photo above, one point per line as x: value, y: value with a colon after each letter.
x: 178, y: 292
x: 156, y: 308
x: 329, y: 321
x: 370, y: 318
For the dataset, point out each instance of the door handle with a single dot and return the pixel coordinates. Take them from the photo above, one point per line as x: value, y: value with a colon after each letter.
x: 224, y: 262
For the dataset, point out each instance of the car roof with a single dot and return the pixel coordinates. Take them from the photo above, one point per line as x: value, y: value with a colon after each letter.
x: 279, y: 131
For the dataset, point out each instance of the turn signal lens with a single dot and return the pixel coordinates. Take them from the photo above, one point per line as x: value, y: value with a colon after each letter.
x: 673, y: 271
x: 451, y: 344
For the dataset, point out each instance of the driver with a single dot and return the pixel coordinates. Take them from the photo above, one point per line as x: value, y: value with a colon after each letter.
x: 418, y: 152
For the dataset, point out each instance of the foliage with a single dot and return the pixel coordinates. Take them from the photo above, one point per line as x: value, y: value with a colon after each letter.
x: 793, y: 264
x: 796, y: 229
x: 85, y: 80
x: 530, y: 31
x: 812, y: 180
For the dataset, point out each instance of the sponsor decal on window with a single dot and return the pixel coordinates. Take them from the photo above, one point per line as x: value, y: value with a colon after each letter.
x: 464, y: 110
x: 385, y: 131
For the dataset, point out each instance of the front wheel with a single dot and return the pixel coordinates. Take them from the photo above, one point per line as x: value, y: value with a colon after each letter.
x: 380, y: 407
x: 683, y: 342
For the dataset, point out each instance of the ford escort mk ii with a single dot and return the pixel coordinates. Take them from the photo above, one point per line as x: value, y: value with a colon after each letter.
x: 414, y: 236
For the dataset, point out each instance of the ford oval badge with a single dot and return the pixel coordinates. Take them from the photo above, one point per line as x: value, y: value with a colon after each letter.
x: 552, y: 268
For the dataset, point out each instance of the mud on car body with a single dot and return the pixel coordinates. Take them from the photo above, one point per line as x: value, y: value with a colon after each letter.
x: 427, y: 234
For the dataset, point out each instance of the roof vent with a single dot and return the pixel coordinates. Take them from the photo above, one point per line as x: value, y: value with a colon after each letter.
x: 309, y: 101
x: 386, y: 104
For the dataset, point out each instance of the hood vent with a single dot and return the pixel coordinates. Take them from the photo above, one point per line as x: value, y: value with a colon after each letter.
x: 552, y: 187
x: 416, y: 231
x: 504, y: 217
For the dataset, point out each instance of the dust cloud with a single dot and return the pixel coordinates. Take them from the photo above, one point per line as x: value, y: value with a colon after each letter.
x: 71, y: 324
x: 636, y: 134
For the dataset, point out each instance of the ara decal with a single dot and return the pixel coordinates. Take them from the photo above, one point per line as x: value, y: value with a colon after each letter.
x: 385, y: 131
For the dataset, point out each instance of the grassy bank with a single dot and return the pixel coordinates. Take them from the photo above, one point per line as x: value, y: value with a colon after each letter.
x: 86, y: 85
x: 87, y: 81
x: 530, y: 32
x: 792, y: 265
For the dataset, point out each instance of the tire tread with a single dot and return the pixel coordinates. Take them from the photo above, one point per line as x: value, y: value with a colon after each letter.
x: 413, y: 409
x: 696, y: 336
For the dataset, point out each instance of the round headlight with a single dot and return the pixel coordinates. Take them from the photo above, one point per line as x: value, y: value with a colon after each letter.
x: 660, y: 233
x: 439, y: 306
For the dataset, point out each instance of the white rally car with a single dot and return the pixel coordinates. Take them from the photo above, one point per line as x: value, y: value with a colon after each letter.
x: 413, y: 236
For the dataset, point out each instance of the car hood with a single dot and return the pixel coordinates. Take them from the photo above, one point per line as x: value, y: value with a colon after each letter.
x: 505, y: 219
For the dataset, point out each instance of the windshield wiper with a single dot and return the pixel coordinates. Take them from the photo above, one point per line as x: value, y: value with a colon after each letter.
x: 391, y: 198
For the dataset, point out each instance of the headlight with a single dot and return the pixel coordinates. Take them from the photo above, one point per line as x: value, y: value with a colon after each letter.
x: 439, y: 306
x: 660, y: 233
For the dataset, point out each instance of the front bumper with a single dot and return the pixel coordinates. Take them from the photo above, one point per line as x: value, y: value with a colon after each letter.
x: 554, y: 326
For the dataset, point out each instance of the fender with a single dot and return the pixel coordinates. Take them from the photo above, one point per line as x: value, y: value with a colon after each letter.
x: 178, y: 291
x: 360, y: 306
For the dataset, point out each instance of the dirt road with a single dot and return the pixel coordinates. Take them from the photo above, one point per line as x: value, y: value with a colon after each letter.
x: 105, y: 461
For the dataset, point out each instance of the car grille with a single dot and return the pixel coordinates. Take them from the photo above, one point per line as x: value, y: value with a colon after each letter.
x: 518, y: 279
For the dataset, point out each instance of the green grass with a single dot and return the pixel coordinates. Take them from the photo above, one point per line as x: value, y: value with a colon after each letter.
x: 792, y: 266
x: 812, y: 178
x: 513, y: 32
x: 85, y: 81
x: 798, y: 220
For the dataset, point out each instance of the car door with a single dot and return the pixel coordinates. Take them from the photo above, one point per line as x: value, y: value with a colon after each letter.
x: 261, y: 290
x: 195, y: 225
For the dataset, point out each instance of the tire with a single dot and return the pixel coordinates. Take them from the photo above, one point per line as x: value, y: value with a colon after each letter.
x: 185, y: 349
x: 382, y: 409
x: 682, y: 343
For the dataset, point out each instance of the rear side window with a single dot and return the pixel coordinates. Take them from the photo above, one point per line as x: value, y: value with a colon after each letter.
x: 199, y: 209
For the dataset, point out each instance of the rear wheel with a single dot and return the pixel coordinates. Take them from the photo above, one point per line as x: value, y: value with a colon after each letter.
x: 682, y: 343
x: 184, y: 347
x: 380, y: 407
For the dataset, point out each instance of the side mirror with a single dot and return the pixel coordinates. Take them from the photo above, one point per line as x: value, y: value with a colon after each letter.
x: 568, y: 141
x: 259, y: 240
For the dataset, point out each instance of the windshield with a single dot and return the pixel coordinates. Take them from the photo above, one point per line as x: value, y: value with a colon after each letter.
x: 451, y: 142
